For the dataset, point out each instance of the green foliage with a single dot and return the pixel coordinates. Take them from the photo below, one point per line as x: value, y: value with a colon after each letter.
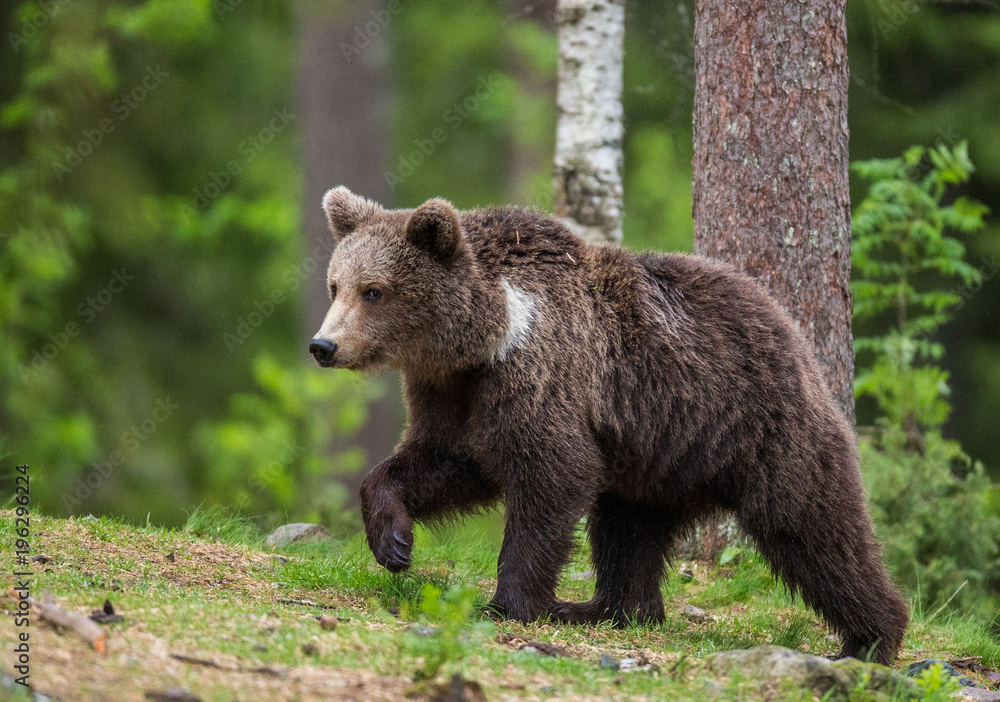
x: 455, y: 634
x: 269, y: 453
x: 937, y: 684
x: 929, y: 499
x: 136, y: 140
x: 900, y: 236
x: 933, y: 520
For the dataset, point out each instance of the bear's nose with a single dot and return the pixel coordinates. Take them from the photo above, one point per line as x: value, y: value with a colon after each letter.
x: 322, y: 350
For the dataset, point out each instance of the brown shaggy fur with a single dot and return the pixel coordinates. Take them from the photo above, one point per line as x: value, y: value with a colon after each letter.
x: 643, y: 391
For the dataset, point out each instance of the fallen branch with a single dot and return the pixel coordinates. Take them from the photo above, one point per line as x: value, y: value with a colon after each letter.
x: 520, y: 643
x: 261, y: 670
x: 305, y: 603
x: 88, y: 629
x: 195, y: 661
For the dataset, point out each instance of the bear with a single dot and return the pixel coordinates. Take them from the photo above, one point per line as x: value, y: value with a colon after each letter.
x: 643, y: 391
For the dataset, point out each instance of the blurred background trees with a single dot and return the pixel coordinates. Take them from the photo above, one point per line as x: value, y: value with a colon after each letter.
x: 162, y: 252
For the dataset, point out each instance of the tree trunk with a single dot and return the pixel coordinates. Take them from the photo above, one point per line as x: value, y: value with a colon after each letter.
x: 588, y: 164
x: 344, y: 95
x: 770, y: 161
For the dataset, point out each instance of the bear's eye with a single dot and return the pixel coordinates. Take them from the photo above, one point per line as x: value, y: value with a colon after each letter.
x: 333, y: 291
x: 372, y: 294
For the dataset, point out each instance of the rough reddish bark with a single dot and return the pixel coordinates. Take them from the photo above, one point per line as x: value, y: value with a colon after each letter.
x: 771, y: 160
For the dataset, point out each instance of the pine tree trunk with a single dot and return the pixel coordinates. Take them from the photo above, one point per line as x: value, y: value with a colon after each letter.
x: 770, y: 161
x: 344, y: 94
x: 588, y: 165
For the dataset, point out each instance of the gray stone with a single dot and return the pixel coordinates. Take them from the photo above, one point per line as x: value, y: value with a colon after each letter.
x: 608, y: 662
x: 423, y: 630
x: 288, y: 533
x: 698, y: 616
x: 915, y: 669
x: 820, y: 675
x: 980, y: 694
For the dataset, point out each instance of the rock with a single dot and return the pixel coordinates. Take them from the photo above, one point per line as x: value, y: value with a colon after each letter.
x: 820, y: 675
x: 915, y: 669
x: 981, y: 694
x: 423, y: 630
x: 288, y: 533
x: 692, y: 613
x: 608, y: 662
x: 993, y: 677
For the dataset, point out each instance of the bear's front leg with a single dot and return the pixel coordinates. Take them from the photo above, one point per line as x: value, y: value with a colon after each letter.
x: 417, y: 482
x: 388, y: 526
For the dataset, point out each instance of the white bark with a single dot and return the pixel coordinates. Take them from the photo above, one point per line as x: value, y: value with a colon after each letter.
x: 588, y: 163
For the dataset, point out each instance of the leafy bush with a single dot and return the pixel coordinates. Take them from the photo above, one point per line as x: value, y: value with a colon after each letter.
x: 270, y: 456
x: 929, y: 498
x: 931, y: 514
x: 899, y: 242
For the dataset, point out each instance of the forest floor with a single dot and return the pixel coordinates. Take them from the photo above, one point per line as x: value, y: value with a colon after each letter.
x: 209, y: 609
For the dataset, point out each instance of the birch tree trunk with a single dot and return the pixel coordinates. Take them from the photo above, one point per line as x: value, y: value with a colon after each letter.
x: 771, y: 160
x: 588, y: 162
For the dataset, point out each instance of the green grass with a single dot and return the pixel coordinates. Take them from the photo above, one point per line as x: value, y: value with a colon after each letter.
x: 212, y: 591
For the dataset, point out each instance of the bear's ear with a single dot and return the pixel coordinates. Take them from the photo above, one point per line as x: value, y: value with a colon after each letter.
x: 434, y: 228
x: 346, y: 211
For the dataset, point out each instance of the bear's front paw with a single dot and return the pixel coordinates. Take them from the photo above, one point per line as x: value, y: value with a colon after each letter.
x: 393, y: 548
x: 390, y: 536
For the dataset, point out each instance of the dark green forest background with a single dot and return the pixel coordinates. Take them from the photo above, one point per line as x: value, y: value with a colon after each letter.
x: 154, y: 273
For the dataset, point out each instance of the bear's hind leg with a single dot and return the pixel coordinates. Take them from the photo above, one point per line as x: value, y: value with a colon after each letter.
x: 629, y: 545
x: 814, y: 529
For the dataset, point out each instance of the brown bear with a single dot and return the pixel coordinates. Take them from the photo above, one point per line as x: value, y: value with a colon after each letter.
x: 642, y: 391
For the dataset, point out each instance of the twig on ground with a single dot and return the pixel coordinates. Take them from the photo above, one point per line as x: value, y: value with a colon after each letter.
x: 89, y: 630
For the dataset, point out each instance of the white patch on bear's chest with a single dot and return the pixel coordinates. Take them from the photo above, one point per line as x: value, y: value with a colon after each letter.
x: 520, y: 315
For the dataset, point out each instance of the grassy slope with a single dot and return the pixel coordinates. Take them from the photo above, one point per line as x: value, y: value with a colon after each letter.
x: 216, y: 598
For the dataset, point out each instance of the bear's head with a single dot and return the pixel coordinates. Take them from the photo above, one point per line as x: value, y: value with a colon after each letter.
x: 405, y: 290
